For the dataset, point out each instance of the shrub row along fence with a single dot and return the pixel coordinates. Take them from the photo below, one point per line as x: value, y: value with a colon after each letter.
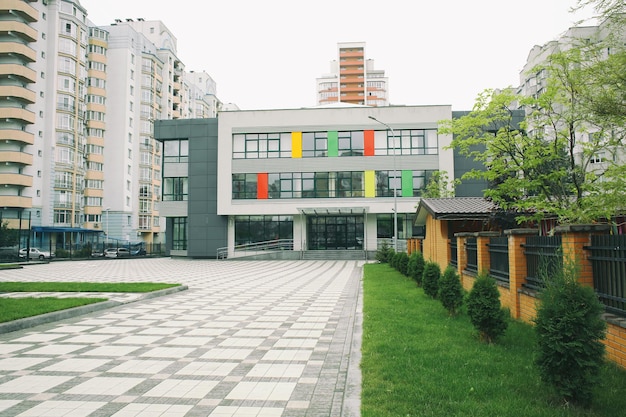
x: 521, y: 262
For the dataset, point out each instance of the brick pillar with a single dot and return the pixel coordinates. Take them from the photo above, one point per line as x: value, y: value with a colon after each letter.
x: 574, y: 238
x: 461, y: 253
x: 482, y: 242
x: 517, y: 265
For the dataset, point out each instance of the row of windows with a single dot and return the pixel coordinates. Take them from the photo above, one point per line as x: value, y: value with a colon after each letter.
x: 335, y: 143
x: 343, y: 184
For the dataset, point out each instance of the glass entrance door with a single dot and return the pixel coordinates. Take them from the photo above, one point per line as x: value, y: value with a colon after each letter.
x: 335, y: 232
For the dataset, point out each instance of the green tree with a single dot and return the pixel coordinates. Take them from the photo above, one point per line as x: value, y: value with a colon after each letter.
x: 8, y: 237
x: 570, y: 330
x: 546, y: 164
x: 451, y: 290
x: 430, y: 280
x: 440, y: 186
x: 484, y: 309
x: 415, y: 268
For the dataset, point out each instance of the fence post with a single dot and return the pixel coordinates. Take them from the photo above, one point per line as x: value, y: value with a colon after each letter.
x: 482, y: 248
x: 574, y: 239
x: 517, y: 266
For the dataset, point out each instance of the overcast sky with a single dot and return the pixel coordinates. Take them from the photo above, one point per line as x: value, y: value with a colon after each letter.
x: 267, y: 54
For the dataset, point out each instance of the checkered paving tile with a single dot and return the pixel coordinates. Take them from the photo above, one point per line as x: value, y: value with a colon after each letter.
x: 253, y: 338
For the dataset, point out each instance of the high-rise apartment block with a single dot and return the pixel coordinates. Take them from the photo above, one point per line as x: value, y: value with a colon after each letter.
x: 78, y: 157
x: 353, y: 79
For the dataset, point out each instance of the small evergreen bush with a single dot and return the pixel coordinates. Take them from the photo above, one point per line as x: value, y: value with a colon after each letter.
x: 402, y: 262
x: 415, y: 267
x: 383, y: 254
x: 451, y: 290
x: 570, y: 329
x: 484, y: 310
x: 394, y: 260
x: 430, y: 279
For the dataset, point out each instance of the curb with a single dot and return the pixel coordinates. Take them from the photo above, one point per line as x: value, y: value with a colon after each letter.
x: 33, y: 321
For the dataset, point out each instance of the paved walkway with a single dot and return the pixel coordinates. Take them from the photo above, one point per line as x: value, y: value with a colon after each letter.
x: 247, y: 339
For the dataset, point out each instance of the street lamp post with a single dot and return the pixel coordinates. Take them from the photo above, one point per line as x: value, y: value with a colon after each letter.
x: 395, y: 181
x: 107, y: 227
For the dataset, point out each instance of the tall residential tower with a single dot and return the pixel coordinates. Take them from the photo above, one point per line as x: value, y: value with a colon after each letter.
x: 353, y: 79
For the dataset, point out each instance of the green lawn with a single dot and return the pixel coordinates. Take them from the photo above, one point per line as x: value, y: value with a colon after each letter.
x: 17, y: 308
x: 82, y: 286
x: 418, y: 361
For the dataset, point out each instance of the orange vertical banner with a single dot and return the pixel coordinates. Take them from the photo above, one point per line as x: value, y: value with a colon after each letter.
x: 261, y: 186
x: 368, y: 136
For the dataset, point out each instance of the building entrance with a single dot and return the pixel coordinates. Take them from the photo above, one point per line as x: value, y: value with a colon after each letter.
x: 335, y: 232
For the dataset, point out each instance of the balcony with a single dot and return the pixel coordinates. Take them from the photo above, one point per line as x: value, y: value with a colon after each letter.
x: 17, y: 93
x: 15, y: 201
x: 21, y: 8
x: 17, y: 136
x: 21, y: 73
x: 66, y: 205
x: 21, y: 115
x: 16, y: 157
x: 18, y: 30
x: 23, y: 52
x: 19, y: 180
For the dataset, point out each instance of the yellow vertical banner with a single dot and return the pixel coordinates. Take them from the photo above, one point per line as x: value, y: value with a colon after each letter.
x: 370, y: 184
x: 296, y: 144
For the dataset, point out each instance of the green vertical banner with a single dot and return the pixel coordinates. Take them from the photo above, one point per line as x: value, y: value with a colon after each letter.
x: 407, y: 183
x: 333, y: 143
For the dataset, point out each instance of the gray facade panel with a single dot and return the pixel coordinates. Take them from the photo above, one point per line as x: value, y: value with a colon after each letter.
x: 206, y: 231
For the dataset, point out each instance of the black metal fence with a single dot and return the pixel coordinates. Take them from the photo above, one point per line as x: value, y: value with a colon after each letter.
x: 544, y: 259
x: 608, y: 260
x: 499, y: 258
x: 471, y: 248
x: 454, y: 258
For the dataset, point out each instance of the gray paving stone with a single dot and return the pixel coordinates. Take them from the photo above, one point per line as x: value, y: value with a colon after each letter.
x: 245, y: 338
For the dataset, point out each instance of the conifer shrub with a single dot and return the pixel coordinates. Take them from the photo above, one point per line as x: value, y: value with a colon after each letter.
x: 402, y: 262
x: 415, y: 267
x: 451, y: 290
x: 484, y: 309
x: 570, y: 329
x: 430, y: 279
x: 394, y: 260
x: 384, y: 253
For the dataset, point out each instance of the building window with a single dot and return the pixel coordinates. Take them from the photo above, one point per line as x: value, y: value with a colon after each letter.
x: 176, y: 151
x: 179, y: 233
x: 261, y: 145
x: 251, y: 229
x: 387, y: 182
x: 351, y: 143
x: 244, y: 186
x: 314, y: 144
x: 406, y: 142
x: 176, y: 189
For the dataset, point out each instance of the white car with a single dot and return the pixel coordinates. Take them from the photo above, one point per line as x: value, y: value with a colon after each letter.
x: 116, y: 253
x: 36, y: 253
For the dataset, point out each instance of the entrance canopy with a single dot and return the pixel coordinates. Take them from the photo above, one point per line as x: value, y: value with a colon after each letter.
x: 333, y: 211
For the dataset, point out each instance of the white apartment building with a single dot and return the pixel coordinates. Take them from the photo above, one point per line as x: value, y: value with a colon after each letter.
x: 78, y: 105
x: 200, y: 97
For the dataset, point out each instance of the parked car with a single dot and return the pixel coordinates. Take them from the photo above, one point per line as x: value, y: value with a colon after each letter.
x: 116, y: 252
x: 138, y: 252
x: 36, y: 253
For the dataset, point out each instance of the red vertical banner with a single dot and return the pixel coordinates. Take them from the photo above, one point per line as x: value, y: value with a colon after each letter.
x: 261, y: 186
x: 368, y: 136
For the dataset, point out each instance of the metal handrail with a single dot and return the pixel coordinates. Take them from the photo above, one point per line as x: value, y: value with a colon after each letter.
x: 277, y: 244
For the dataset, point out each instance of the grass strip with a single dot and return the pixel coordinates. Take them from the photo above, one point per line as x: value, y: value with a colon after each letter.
x: 19, y: 308
x: 418, y: 361
x: 133, y: 287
